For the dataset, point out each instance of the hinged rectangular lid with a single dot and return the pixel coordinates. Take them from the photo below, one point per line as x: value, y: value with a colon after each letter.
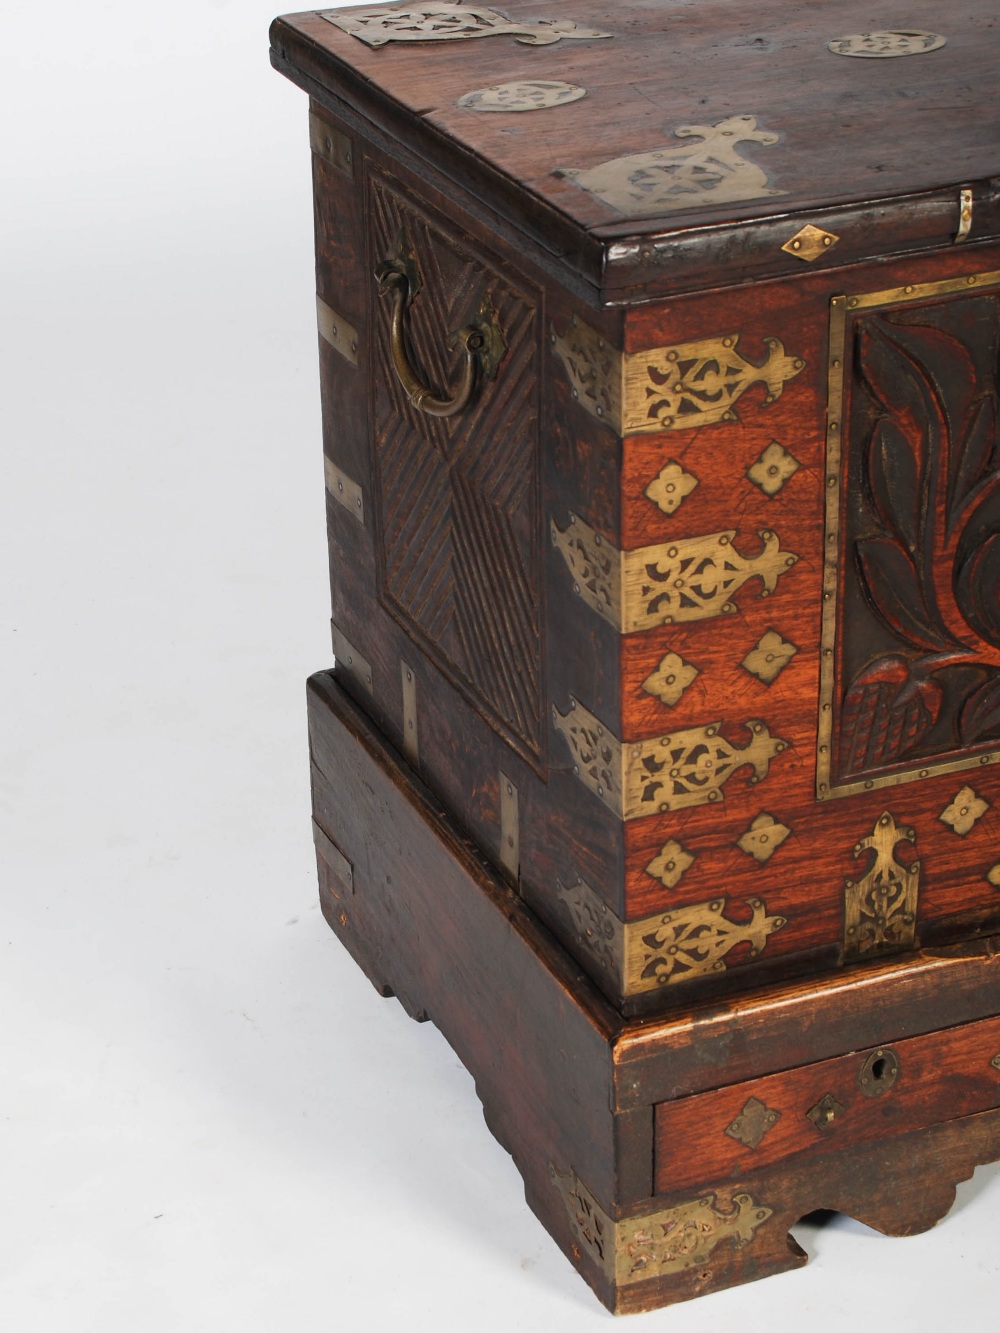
x: 663, y: 145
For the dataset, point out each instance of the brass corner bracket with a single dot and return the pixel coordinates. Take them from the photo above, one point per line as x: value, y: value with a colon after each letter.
x: 661, y: 1242
x: 667, y: 948
x: 672, y: 583
x: 673, y: 772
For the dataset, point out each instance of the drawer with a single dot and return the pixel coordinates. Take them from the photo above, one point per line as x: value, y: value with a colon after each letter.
x: 827, y: 1107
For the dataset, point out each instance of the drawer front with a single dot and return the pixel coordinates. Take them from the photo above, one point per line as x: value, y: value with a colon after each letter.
x: 458, y: 496
x: 827, y: 1107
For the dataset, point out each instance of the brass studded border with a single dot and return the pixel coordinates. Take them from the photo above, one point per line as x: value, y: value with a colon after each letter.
x: 841, y: 308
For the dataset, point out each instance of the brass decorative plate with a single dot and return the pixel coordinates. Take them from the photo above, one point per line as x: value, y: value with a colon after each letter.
x: 885, y: 45
x: 523, y: 95
x: 448, y: 23
x: 706, y: 171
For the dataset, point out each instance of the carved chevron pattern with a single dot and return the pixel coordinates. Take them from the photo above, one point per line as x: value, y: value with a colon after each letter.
x: 458, y: 497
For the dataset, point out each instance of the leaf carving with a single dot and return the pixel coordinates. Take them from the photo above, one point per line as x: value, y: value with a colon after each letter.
x: 885, y: 714
x: 894, y: 479
x: 980, y: 716
x: 890, y: 579
x: 972, y: 458
x: 977, y: 588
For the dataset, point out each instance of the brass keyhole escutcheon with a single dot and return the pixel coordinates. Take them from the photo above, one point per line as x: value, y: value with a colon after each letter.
x: 878, y: 1073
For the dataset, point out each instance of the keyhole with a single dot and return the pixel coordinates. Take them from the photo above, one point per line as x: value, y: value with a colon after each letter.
x: 878, y: 1073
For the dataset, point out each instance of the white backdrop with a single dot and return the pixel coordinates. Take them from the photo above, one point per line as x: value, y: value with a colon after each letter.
x: 208, y: 1119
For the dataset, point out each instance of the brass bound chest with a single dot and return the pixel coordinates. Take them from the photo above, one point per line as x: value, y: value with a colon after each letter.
x: 659, y: 350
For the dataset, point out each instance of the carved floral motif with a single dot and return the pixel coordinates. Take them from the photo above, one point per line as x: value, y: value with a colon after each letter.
x: 920, y: 636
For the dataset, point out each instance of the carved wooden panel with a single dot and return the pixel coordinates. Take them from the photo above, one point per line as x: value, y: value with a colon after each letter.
x: 458, y: 497
x: 915, y: 676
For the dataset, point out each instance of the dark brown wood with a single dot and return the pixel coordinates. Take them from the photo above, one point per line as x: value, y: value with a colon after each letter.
x: 886, y: 174
x: 429, y: 921
x: 414, y: 922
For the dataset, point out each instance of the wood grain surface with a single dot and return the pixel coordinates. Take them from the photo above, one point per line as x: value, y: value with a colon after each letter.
x: 570, y: 1087
x: 869, y: 149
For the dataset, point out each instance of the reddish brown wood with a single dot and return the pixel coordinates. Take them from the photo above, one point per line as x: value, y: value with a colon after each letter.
x: 938, y: 1078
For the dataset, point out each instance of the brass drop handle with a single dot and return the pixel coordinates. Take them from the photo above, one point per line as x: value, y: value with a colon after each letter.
x: 482, y: 343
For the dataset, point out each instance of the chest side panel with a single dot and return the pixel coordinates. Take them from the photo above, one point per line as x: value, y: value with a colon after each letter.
x: 458, y: 498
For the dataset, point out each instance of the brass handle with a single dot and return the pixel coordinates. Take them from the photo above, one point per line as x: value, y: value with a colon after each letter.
x: 481, y: 341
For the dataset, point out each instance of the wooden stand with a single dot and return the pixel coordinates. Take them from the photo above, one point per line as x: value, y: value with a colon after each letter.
x: 666, y: 1158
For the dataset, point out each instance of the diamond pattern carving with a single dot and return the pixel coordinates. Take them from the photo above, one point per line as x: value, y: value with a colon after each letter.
x: 458, y: 498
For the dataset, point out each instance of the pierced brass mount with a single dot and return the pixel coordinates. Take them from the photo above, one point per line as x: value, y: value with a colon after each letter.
x: 678, y: 387
x: 443, y: 22
x: 660, y: 1243
x: 880, y: 910
x: 686, y: 768
x: 667, y: 948
x: 667, y: 584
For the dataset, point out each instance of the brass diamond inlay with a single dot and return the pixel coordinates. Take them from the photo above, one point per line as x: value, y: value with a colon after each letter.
x: 964, y: 810
x: 752, y: 1123
x: 670, y: 679
x: 763, y: 838
x: 773, y: 469
x: 994, y: 876
x: 810, y: 243
x: 770, y: 657
x: 671, y: 863
x: 670, y: 486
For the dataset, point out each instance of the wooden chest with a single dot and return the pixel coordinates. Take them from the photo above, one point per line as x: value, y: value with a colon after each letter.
x: 660, y: 350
